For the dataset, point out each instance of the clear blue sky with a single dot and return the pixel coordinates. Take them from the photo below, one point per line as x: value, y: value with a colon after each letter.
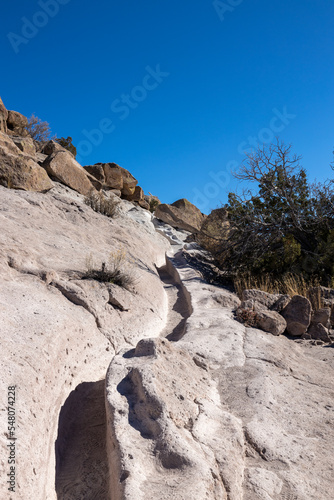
x: 222, y: 72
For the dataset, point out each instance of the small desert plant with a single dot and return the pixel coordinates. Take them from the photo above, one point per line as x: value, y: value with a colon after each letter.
x: 38, y: 130
x: 248, y: 317
x: 153, y: 204
x: 101, y: 203
x: 116, y: 270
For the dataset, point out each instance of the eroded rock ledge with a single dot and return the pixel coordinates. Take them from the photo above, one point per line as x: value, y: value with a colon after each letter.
x: 227, y: 412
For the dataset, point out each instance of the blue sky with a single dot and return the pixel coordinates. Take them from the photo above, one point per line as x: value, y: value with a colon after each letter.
x: 175, y: 91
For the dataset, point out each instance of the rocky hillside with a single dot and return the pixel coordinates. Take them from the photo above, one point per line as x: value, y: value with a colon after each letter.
x: 151, y: 391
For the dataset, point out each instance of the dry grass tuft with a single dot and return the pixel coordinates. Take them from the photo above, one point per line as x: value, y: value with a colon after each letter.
x: 116, y: 270
x: 289, y: 284
x: 101, y: 203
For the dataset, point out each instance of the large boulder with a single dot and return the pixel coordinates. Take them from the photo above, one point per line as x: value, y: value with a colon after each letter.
x: 113, y: 176
x: 264, y: 298
x: 216, y: 225
x: 52, y: 147
x: 3, y: 117
x: 182, y: 215
x: 96, y: 171
x: 317, y: 331
x: 298, y: 315
x: 270, y: 321
x: 322, y: 316
x: 129, y: 182
x: 16, y: 124
x: 63, y: 167
x: 138, y: 195
x: 19, y: 170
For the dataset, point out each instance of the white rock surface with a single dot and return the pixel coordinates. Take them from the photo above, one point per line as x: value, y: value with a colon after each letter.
x: 194, y: 405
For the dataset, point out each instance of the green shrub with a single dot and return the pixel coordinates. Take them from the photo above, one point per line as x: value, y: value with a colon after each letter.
x: 67, y: 144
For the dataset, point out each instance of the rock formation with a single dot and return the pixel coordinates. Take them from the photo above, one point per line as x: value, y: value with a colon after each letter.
x: 154, y: 391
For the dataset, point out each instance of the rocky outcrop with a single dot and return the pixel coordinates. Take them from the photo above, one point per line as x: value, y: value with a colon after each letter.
x: 112, y: 176
x: 3, y: 117
x: 61, y: 331
x: 182, y: 215
x: 64, y: 168
x: 19, y: 170
x: 16, y: 124
x: 25, y: 144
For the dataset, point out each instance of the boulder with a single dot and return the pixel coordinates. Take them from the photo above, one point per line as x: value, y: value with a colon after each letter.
x: 113, y: 175
x: 297, y: 315
x: 322, y: 316
x: 138, y: 195
x: 281, y: 303
x: 16, y: 124
x: 215, y: 225
x: 3, y: 117
x: 18, y: 170
x: 53, y: 147
x: 271, y: 321
x: 331, y: 319
x: 264, y: 298
x: 25, y: 144
x: 65, y: 169
x: 182, y: 215
x: 129, y: 182
x: 96, y: 171
x: 317, y: 331
x: 144, y: 204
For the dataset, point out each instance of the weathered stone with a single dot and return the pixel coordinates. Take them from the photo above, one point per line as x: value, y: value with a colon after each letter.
x: 322, y: 316
x: 3, y: 117
x: 53, y: 147
x: 264, y: 298
x: 331, y: 319
x: 271, y: 321
x: 63, y: 167
x: 25, y: 144
x: 144, y: 204
x: 113, y: 175
x: 182, y: 214
x: 252, y: 304
x: 138, y: 195
x: 215, y: 225
x: 129, y: 182
x: 20, y: 171
x: 317, y: 331
x: 16, y: 124
x: 281, y: 303
x: 298, y: 315
x: 40, y: 158
x: 96, y: 171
